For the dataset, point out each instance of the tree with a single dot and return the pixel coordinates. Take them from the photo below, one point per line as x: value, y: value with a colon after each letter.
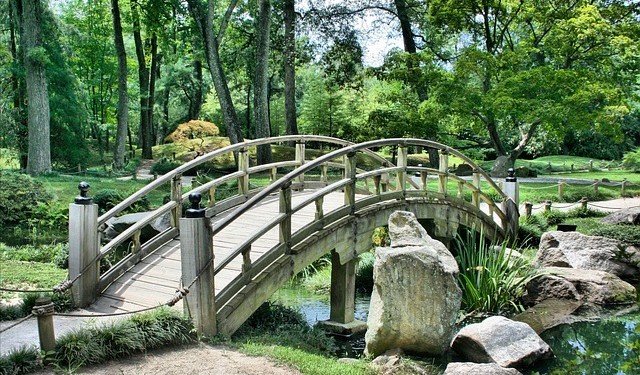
x: 290, y: 67
x: 204, y: 18
x: 123, y: 105
x: 261, y: 82
x: 35, y: 60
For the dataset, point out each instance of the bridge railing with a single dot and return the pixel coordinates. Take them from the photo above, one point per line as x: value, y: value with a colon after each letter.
x: 132, y: 235
x: 389, y: 183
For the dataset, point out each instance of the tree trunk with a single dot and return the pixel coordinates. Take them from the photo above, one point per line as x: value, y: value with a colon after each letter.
x: 38, y: 116
x: 196, y: 104
x: 290, y: 117
x: 205, y: 25
x: 123, y: 99
x: 22, y: 134
x: 261, y: 82
x: 143, y: 78
x: 152, y: 86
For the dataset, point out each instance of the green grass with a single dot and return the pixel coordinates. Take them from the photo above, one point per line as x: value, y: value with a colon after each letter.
x: 306, y: 363
x: 21, y: 274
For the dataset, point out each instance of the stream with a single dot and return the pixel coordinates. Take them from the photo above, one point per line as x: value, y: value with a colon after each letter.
x: 607, y: 347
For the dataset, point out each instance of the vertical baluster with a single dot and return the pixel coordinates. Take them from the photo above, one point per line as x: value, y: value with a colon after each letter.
x: 273, y: 174
x: 475, y: 196
x: 376, y: 183
x: 443, y: 177
x: 246, y: 259
x: 212, y: 196
x: 460, y: 189
x: 319, y: 208
x: 350, y: 189
x: 402, y: 165
x: 300, y: 160
x: 285, y: 224
x: 243, y: 166
x: 323, y: 174
x: 176, y: 196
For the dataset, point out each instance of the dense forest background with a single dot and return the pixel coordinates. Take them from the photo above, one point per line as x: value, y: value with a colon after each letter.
x: 83, y: 81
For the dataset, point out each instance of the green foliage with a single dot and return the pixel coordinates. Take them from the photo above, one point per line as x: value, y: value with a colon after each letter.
x: 164, y: 166
x: 30, y: 253
x: 554, y: 217
x: 19, y: 198
x: 631, y: 160
x: 34, y: 274
x: 274, y: 324
x: 24, y: 360
x: 364, y: 272
x: 491, y: 279
x: 629, y: 234
x: 142, y: 332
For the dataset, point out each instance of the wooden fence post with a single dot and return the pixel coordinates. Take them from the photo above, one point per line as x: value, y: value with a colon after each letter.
x: 528, y: 208
x: 176, y: 196
x: 402, y: 164
x: 475, y: 195
x: 350, y: 189
x: 584, y: 201
x: 443, y: 178
x: 595, y: 185
x: 623, y: 186
x: 547, y: 206
x: 285, y: 224
x: 243, y: 166
x: 196, y: 248
x: 44, y: 310
x: 83, y: 247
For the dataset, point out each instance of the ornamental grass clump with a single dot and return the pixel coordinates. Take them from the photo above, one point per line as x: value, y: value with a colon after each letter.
x: 492, y: 279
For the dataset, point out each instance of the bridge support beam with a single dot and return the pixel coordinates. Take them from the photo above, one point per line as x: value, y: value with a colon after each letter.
x: 343, y: 290
x: 196, y: 247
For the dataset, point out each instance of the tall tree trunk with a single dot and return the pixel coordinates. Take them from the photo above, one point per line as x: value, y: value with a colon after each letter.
x: 15, y: 13
x: 410, y: 47
x: 152, y: 86
x: 204, y: 20
x: 290, y: 117
x: 195, y: 105
x: 38, y: 120
x: 143, y: 78
x: 123, y: 98
x: 261, y: 82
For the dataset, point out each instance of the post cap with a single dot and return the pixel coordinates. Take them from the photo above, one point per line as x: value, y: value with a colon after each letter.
x: 83, y: 198
x: 511, y: 175
x: 195, y: 211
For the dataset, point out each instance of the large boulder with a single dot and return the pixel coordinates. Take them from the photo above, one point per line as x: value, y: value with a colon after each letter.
x: 464, y: 170
x: 119, y: 224
x: 466, y: 368
x: 590, y: 286
x: 576, y: 250
x: 502, y: 341
x: 416, y: 298
x: 629, y: 215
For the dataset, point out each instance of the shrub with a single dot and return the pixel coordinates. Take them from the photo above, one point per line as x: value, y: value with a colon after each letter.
x: 364, y: 272
x: 19, y: 197
x: 164, y: 166
x: 492, y: 281
x: 191, y: 130
x: 554, y: 217
x: 21, y: 361
x: 629, y: 234
x: 631, y: 160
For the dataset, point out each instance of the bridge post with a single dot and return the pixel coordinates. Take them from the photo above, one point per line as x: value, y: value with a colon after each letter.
x: 300, y: 147
x: 402, y: 164
x: 510, y: 205
x: 196, y: 248
x: 350, y: 172
x: 83, y: 247
x: 343, y: 290
x: 243, y: 166
x: 176, y: 196
x: 475, y: 196
x: 443, y: 178
x: 285, y: 224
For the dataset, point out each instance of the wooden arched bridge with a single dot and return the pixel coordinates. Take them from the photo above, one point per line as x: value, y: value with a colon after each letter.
x: 249, y: 244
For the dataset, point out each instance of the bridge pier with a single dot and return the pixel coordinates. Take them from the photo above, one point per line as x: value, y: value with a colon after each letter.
x: 343, y: 290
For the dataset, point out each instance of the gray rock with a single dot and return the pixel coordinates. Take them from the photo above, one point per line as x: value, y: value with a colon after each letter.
x: 629, y: 215
x: 575, y: 250
x: 502, y: 341
x: 464, y: 170
x: 501, y: 166
x: 119, y: 224
x: 416, y: 298
x: 592, y: 286
x: 466, y: 368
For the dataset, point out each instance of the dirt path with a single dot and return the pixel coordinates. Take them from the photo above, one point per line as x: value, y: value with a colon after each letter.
x: 192, y: 360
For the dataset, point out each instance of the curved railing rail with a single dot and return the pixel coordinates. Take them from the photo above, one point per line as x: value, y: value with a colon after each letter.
x: 174, y: 206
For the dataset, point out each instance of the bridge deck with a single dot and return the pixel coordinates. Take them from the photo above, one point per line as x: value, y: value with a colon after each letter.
x: 155, y: 279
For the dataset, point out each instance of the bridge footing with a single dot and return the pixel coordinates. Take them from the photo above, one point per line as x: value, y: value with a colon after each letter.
x: 343, y: 329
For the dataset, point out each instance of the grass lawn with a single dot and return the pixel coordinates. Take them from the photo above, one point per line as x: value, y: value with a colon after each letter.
x: 20, y: 274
